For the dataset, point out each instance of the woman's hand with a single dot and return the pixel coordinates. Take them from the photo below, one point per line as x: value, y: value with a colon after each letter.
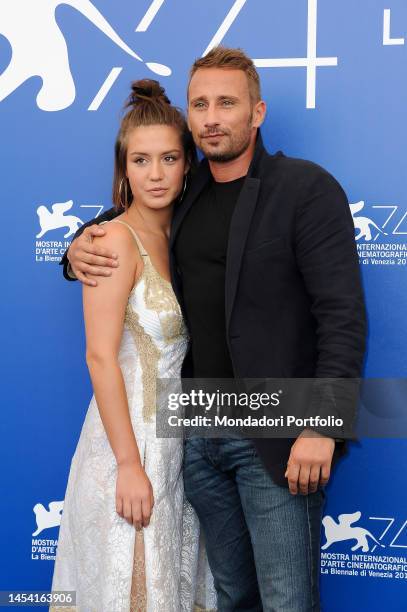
x: 134, y: 494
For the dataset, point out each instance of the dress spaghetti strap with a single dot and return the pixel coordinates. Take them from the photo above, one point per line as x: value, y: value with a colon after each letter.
x: 142, y: 250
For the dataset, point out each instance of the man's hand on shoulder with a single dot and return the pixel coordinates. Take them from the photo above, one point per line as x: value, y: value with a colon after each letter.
x: 86, y: 258
x: 309, y: 463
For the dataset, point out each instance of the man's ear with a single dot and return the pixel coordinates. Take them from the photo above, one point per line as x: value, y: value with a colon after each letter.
x: 259, y: 113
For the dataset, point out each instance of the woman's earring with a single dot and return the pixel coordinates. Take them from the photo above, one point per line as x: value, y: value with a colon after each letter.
x: 126, y: 200
x: 184, y: 187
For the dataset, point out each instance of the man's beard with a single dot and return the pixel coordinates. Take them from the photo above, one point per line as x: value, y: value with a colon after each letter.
x: 237, y: 146
x: 230, y: 154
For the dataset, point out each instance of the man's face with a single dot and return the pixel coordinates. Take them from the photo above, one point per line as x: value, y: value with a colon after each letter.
x: 220, y: 113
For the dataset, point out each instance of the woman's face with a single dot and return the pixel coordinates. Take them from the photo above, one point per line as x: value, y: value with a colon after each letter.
x: 155, y: 165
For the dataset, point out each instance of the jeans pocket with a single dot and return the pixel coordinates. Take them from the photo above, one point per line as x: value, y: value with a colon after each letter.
x: 255, y: 454
x: 317, y: 499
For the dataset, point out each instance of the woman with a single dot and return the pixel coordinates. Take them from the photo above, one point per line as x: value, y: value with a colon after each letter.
x: 128, y: 539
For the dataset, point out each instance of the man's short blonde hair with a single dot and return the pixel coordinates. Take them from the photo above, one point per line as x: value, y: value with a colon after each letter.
x: 225, y: 57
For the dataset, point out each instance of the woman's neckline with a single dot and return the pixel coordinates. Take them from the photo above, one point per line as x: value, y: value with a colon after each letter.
x: 146, y: 253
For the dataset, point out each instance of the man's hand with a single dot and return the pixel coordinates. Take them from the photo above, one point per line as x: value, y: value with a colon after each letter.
x: 86, y: 258
x: 309, y: 463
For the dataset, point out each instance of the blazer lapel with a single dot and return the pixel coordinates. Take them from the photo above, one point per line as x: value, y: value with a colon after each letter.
x: 239, y: 229
x: 198, y: 182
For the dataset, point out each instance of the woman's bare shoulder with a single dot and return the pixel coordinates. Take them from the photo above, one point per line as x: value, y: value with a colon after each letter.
x: 118, y: 236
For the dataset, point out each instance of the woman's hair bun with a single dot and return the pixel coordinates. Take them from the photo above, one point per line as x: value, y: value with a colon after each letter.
x: 148, y: 90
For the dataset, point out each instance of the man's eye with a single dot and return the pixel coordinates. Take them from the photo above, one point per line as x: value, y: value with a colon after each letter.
x: 227, y: 103
x: 199, y: 105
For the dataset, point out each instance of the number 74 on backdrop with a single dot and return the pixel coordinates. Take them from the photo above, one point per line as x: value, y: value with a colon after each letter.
x: 310, y: 62
x: 42, y: 51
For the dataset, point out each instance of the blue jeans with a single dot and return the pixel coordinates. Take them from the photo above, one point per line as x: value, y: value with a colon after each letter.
x: 262, y: 542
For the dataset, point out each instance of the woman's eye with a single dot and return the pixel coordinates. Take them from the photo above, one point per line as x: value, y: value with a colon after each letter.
x: 170, y: 158
x: 139, y: 160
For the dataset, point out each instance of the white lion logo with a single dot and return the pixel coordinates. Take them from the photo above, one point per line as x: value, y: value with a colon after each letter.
x: 363, y: 224
x: 343, y: 530
x: 46, y: 519
x: 39, y: 49
x: 56, y: 219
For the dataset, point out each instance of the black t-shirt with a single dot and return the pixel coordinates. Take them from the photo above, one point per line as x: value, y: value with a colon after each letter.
x: 200, y: 250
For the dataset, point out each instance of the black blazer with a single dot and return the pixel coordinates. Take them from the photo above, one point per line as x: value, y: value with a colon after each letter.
x: 293, y: 294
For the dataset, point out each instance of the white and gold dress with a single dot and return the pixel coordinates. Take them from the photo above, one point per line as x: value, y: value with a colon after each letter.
x: 111, y: 566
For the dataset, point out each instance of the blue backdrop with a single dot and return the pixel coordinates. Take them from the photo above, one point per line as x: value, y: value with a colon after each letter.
x: 333, y: 76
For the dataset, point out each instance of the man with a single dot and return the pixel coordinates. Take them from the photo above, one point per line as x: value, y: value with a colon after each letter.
x: 264, y: 264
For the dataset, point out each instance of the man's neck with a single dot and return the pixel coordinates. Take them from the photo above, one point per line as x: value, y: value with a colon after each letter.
x: 224, y: 172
